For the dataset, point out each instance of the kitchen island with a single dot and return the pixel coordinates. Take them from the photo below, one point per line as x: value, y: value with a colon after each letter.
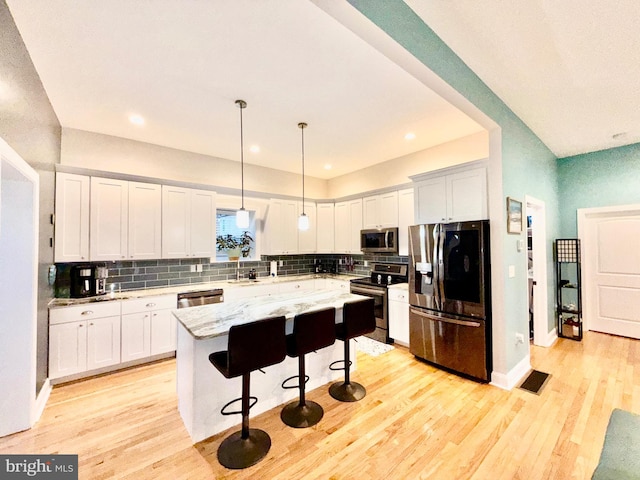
x: 203, y: 391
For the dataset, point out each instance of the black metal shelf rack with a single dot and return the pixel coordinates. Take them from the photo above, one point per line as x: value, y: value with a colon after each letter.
x: 568, y: 291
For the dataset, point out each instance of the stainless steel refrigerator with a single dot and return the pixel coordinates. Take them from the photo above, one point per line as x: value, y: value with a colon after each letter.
x: 450, y: 296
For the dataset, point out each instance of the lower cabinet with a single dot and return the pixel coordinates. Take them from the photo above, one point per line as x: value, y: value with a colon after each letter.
x: 78, y: 345
x: 399, y: 315
x: 93, y: 336
x: 148, y: 327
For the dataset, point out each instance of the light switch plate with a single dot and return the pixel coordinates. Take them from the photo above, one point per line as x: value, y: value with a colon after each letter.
x: 512, y: 271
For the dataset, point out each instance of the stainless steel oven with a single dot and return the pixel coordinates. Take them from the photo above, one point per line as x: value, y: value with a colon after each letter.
x: 375, y: 286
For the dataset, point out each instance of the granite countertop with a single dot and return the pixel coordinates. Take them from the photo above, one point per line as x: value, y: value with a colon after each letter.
x: 209, y: 321
x: 225, y: 284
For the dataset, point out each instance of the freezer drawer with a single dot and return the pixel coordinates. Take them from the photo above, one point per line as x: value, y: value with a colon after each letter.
x: 455, y: 343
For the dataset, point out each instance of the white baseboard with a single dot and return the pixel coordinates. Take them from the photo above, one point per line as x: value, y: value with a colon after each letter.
x: 551, y: 338
x: 513, y: 377
x: 41, y: 401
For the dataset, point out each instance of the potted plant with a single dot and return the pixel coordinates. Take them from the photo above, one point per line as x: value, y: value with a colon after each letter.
x: 234, y: 246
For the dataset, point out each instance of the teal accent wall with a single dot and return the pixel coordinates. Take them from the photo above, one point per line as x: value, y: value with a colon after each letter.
x: 597, y: 179
x: 529, y: 167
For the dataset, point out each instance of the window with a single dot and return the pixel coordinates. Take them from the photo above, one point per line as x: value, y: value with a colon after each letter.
x: 226, y: 225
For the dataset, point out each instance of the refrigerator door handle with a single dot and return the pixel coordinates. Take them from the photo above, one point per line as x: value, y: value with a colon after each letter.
x: 440, y: 266
x: 466, y: 323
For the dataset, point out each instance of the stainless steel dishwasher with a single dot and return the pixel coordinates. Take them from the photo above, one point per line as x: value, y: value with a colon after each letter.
x: 201, y: 297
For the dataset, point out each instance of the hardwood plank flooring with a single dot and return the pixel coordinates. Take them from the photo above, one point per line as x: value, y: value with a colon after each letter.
x: 416, y: 422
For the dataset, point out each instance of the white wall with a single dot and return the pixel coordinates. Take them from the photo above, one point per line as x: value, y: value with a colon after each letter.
x: 397, y: 171
x: 114, y: 154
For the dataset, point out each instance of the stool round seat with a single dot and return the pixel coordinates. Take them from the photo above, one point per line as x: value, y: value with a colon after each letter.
x: 311, y: 331
x: 251, y: 346
x: 358, y: 319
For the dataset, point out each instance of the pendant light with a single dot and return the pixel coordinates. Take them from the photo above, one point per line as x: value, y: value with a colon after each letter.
x: 242, y: 216
x: 303, y: 220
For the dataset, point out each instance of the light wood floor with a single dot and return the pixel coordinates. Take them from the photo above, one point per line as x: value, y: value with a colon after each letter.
x: 415, y: 422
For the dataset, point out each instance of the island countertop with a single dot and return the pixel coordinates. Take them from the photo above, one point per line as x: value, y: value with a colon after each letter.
x: 208, y: 321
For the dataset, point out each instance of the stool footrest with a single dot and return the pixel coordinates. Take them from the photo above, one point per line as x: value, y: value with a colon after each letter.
x: 294, y: 377
x: 343, y: 367
x: 252, y: 400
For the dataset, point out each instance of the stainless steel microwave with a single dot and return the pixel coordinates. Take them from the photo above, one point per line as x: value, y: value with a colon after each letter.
x: 379, y: 240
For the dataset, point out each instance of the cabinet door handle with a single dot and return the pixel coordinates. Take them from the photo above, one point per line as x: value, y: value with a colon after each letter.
x: 91, y: 324
x: 87, y: 312
x: 151, y: 305
x: 80, y: 325
x: 155, y: 314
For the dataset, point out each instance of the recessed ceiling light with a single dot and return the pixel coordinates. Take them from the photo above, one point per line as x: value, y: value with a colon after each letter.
x: 327, y: 167
x: 410, y: 136
x: 254, y: 149
x: 136, y: 120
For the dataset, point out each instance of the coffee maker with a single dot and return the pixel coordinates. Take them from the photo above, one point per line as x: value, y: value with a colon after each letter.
x: 88, y: 280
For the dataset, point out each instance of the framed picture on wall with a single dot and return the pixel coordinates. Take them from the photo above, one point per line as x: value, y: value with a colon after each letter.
x: 514, y: 216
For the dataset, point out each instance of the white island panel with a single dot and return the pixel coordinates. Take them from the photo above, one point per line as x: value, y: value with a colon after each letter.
x: 203, y: 390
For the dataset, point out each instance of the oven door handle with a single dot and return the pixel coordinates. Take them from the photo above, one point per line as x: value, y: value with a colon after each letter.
x: 369, y: 291
x: 435, y: 318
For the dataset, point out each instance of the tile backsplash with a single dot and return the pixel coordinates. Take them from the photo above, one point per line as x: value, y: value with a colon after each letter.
x: 142, y: 274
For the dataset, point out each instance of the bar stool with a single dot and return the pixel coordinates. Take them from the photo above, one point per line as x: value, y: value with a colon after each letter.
x: 311, y: 331
x: 358, y: 318
x: 251, y: 346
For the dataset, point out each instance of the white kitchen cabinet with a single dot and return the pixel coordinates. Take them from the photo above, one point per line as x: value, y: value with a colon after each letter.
x: 109, y: 219
x: 335, y: 284
x: 405, y: 219
x: 72, y: 218
x: 348, y: 223
x: 307, y: 241
x: 145, y: 221
x: 83, y: 338
x: 380, y: 211
x: 454, y: 197
x: 148, y: 327
x: 249, y: 290
x: 399, y: 314
x: 325, y: 227
x: 281, y: 227
x: 188, y: 222
x: 297, y: 286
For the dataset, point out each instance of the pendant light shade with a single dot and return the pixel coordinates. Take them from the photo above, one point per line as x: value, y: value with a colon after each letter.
x: 242, y: 216
x: 303, y: 220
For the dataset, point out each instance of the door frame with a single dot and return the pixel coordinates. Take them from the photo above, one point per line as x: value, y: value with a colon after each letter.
x: 588, y: 244
x: 541, y: 335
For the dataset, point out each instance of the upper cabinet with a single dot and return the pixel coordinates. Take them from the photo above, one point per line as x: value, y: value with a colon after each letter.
x: 457, y: 196
x: 348, y: 223
x: 109, y: 219
x: 145, y: 220
x: 325, y: 227
x: 307, y: 241
x: 281, y: 228
x: 72, y: 218
x: 380, y: 211
x: 188, y: 222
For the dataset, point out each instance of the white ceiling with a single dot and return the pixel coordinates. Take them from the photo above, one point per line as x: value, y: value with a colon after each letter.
x: 181, y: 65
x: 569, y: 69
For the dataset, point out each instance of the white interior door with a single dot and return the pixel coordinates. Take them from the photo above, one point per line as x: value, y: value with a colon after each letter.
x: 611, y: 260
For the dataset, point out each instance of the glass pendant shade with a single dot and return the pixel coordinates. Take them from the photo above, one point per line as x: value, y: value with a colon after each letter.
x: 303, y: 222
x: 242, y: 218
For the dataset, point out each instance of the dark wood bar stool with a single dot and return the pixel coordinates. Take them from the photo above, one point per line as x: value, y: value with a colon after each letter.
x: 358, y: 318
x: 251, y: 346
x: 311, y: 331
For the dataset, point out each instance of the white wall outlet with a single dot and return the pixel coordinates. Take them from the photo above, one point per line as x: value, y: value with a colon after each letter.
x: 192, y: 268
x: 512, y: 271
x: 519, y: 338
x: 199, y: 268
x: 281, y: 263
x: 366, y: 263
x: 520, y: 245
